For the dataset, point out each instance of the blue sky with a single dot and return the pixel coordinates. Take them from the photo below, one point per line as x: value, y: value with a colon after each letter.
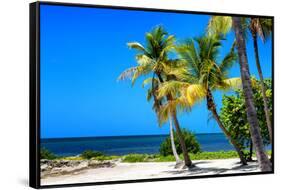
x: 83, y: 51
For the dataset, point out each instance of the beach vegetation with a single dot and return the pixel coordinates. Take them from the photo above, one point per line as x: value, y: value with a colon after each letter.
x: 234, y: 117
x: 140, y: 158
x: 106, y: 157
x: 47, y: 154
x: 133, y: 158
x: 191, y: 142
x: 88, y: 154
x: 74, y: 158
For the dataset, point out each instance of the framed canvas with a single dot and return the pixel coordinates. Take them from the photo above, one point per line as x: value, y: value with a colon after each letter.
x: 122, y: 94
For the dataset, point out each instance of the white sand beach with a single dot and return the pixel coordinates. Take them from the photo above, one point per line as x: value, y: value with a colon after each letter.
x: 148, y: 170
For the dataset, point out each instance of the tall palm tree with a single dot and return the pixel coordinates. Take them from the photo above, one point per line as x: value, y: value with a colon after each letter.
x: 263, y: 160
x: 152, y: 59
x: 260, y: 27
x: 204, y: 69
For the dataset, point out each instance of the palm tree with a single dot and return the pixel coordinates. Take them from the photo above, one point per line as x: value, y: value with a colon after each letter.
x: 263, y: 160
x: 161, y: 120
x: 204, y: 69
x: 260, y: 27
x: 152, y: 59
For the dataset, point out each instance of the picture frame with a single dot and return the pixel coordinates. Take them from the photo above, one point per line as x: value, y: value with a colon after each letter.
x: 35, y: 92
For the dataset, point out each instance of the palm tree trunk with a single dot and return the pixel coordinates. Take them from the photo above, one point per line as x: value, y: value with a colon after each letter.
x: 173, y: 142
x: 251, y: 152
x: 187, y: 161
x: 263, y: 89
x: 263, y: 160
x: 186, y: 157
x: 212, y: 107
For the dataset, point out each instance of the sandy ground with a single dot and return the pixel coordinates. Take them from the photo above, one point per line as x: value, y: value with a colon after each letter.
x: 148, y: 170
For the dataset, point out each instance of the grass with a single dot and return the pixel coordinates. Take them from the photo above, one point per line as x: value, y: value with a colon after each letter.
x: 70, y: 158
x: 133, y: 158
x: 139, y: 158
x: 214, y: 155
x: 104, y: 157
x: 199, y: 156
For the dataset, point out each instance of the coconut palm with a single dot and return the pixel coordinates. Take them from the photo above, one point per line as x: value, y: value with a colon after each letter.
x: 258, y: 27
x: 152, y: 59
x: 263, y: 160
x: 161, y: 121
x: 206, y: 74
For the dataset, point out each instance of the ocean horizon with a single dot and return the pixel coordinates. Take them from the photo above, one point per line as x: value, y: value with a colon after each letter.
x: 122, y: 145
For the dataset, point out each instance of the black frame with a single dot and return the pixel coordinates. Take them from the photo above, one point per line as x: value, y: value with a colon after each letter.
x: 34, y: 93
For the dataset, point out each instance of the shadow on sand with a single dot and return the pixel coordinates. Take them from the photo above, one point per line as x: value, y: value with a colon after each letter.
x: 196, y: 170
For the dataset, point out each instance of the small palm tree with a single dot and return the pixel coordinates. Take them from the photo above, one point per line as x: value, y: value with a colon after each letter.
x: 152, y: 60
x: 206, y: 74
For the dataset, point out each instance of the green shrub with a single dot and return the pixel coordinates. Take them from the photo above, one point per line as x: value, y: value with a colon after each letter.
x: 192, y: 144
x: 88, y: 154
x: 234, y: 116
x: 46, y: 154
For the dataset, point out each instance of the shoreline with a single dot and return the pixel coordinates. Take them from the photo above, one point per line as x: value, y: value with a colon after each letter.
x: 147, y: 170
x: 119, y: 136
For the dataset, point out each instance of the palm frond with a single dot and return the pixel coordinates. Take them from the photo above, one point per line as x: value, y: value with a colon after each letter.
x: 164, y: 113
x: 149, y: 94
x: 230, y: 83
x: 127, y: 74
x: 141, y: 70
x: 193, y: 93
x: 266, y: 28
x: 188, y: 54
x: 170, y: 88
x: 219, y: 25
x: 143, y: 59
x: 149, y: 81
x: 229, y: 60
x: 136, y: 45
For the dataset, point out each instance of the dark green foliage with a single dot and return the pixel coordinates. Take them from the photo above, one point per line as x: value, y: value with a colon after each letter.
x: 234, y: 117
x: 46, y: 154
x: 191, y: 143
x: 88, y: 154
